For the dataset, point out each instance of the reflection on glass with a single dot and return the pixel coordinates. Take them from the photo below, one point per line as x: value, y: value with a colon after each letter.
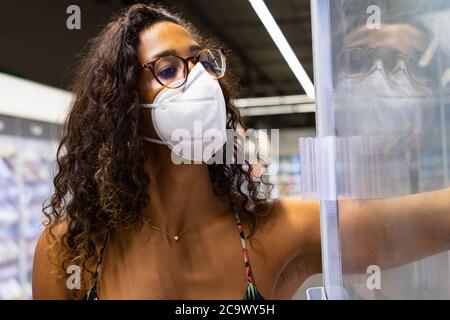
x: 391, y: 101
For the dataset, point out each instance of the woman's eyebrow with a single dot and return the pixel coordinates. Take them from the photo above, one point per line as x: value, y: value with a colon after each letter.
x: 192, y: 49
x: 163, y: 54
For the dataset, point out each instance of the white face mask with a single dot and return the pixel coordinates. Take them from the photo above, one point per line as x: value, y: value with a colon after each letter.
x: 380, y: 105
x: 191, y: 120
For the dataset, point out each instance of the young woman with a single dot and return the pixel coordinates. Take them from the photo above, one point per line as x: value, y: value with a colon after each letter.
x: 140, y: 226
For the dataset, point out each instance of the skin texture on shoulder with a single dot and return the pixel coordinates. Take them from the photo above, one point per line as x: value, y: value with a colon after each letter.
x: 292, y: 238
x: 46, y: 285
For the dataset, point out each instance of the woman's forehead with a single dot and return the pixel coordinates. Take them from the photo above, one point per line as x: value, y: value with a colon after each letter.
x: 164, y: 36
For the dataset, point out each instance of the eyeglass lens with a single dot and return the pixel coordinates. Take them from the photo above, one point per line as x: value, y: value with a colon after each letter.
x: 170, y: 69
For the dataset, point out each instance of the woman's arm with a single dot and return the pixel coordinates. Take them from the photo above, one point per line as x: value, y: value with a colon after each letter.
x: 391, y: 232
x: 384, y: 232
x: 45, y: 286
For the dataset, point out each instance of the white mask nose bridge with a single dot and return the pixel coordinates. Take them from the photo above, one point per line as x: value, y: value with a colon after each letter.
x: 193, y: 75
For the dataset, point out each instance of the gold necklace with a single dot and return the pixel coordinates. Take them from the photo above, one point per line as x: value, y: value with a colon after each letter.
x: 177, y: 237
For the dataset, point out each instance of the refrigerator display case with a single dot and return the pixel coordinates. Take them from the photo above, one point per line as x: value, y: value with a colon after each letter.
x: 382, y: 74
x: 27, y: 152
x: 287, y: 180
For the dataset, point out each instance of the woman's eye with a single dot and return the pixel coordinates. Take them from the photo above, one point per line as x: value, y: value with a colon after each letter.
x: 168, y: 73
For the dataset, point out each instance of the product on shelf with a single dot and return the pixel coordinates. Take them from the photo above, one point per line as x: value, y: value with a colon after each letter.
x: 25, y: 182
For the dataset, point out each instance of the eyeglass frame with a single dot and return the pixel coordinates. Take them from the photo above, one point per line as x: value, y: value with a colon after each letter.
x: 195, y: 59
x: 373, y: 54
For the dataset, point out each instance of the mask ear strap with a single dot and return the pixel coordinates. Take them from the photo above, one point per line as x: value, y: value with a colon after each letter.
x: 152, y: 106
x: 149, y: 105
x: 155, y: 141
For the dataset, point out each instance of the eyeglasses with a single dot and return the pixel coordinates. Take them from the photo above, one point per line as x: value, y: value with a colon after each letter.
x: 169, y: 70
x: 358, y: 62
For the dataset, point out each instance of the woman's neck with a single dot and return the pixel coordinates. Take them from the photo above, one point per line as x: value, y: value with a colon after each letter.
x: 179, y: 193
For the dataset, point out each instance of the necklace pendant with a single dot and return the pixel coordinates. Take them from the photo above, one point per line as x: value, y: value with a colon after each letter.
x: 176, y: 238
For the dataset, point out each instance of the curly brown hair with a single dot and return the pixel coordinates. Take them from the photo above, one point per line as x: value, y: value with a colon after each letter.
x: 100, y: 182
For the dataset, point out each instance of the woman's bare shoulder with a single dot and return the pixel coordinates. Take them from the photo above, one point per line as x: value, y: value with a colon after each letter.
x: 45, y: 283
x: 295, y: 242
x: 292, y: 228
x: 295, y: 218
